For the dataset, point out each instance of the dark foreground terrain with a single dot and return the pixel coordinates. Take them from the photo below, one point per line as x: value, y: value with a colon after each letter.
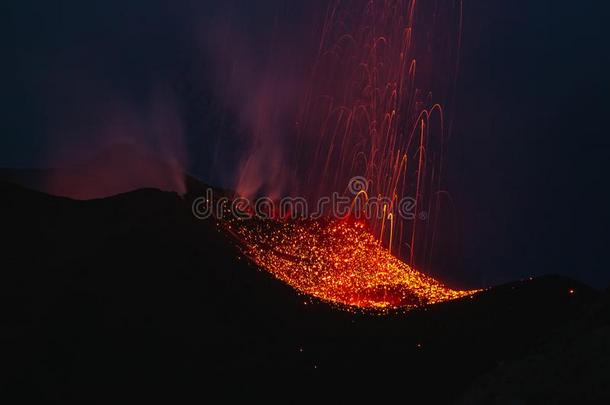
x: 130, y: 299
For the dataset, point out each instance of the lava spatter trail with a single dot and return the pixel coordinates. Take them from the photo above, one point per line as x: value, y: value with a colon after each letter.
x: 337, y: 261
x: 368, y: 113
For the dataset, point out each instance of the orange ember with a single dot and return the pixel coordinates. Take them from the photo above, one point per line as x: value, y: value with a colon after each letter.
x: 339, y: 262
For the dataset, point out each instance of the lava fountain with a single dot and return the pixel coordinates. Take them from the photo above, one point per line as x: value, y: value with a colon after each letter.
x: 368, y: 112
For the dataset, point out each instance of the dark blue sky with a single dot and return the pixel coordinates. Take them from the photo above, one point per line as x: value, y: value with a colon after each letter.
x: 528, y: 160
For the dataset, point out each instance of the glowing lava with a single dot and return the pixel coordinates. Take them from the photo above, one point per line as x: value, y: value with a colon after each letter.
x: 339, y: 262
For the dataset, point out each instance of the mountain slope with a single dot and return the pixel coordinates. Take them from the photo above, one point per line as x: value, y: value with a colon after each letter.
x: 131, y: 297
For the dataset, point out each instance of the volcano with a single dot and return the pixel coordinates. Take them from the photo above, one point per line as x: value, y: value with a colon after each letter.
x: 131, y: 297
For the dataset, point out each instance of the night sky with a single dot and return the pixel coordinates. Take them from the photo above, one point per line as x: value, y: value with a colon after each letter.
x: 528, y: 158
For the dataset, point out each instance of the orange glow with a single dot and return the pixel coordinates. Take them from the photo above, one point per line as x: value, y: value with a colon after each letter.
x: 340, y: 262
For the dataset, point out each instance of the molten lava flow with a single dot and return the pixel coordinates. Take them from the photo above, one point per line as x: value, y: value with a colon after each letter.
x: 340, y: 262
